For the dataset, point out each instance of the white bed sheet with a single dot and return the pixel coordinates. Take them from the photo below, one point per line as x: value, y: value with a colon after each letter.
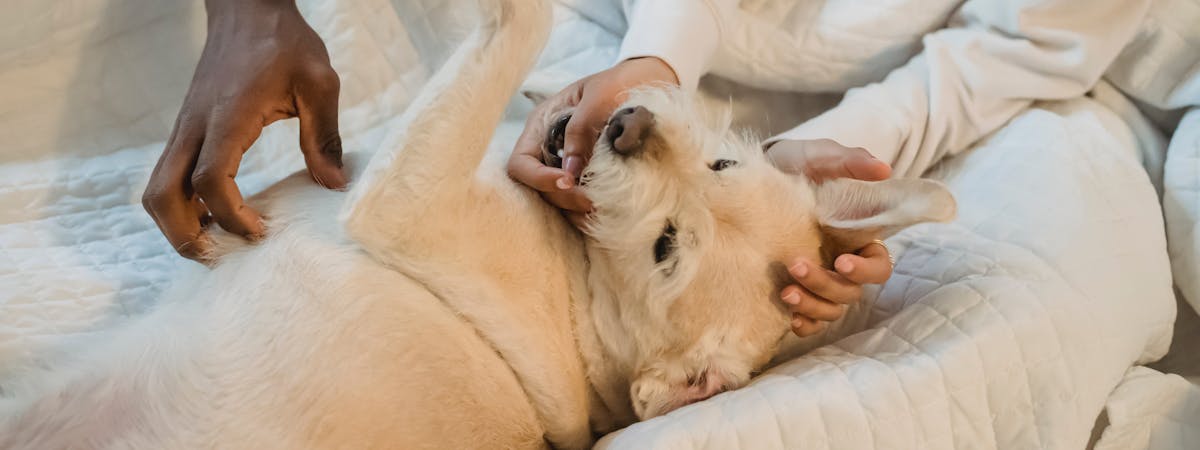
x: 89, y: 90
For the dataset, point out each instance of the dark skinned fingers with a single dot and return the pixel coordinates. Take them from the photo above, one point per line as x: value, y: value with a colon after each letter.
x: 169, y: 198
x: 320, y: 140
x: 213, y: 178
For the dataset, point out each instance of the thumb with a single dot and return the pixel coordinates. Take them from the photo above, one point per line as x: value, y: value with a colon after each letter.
x: 319, y: 138
x: 583, y: 129
x: 823, y: 160
x: 862, y: 166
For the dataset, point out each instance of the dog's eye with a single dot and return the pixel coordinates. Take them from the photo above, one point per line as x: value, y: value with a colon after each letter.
x: 722, y: 164
x: 665, y: 244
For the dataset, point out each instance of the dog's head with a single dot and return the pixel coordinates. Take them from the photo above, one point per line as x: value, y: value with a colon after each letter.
x: 690, y: 238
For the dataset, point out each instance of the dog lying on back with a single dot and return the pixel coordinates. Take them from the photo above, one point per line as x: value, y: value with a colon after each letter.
x: 448, y: 307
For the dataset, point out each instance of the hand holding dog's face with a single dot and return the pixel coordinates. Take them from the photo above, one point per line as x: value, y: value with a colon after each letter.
x: 585, y: 105
x: 820, y: 295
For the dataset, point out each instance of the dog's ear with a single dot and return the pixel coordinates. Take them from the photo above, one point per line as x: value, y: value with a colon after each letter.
x: 852, y: 213
x: 536, y: 96
x: 542, y: 85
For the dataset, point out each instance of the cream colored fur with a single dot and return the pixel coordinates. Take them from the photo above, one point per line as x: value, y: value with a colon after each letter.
x: 450, y: 307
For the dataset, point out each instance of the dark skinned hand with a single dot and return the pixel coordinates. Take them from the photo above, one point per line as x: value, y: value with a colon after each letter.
x: 261, y: 63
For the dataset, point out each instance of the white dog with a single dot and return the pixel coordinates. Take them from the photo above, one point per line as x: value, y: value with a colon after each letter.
x: 451, y: 308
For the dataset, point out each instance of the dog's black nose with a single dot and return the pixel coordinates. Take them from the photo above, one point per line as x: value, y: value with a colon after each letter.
x: 627, y: 129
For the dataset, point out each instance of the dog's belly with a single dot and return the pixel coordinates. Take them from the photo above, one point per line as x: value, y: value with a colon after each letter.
x: 368, y: 357
x: 301, y: 341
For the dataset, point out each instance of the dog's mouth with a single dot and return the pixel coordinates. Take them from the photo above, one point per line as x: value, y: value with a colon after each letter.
x: 552, y: 149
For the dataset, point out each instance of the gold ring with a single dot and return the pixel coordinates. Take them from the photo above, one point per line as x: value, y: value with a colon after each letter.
x: 891, y: 259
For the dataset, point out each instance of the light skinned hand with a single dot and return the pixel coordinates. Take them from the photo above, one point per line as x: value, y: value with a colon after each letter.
x: 590, y: 101
x: 261, y: 63
x: 820, y: 296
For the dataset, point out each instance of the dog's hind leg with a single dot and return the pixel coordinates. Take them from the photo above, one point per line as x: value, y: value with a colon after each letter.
x: 425, y: 173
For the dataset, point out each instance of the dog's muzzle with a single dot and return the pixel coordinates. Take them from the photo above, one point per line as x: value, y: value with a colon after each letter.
x: 627, y: 129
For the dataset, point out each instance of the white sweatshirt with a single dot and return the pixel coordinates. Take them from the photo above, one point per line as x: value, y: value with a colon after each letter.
x: 994, y: 60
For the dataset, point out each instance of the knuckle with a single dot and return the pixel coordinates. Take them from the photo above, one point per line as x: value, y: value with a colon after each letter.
x: 205, y: 181
x: 333, y: 144
x: 193, y: 249
x: 189, y: 252
x: 516, y: 170
x: 849, y: 298
x: 330, y: 145
x: 153, y: 199
x: 549, y: 197
x: 824, y: 314
x: 854, y: 292
x: 324, y: 77
x: 333, y: 81
x: 834, y: 313
x: 805, y: 304
x: 815, y: 282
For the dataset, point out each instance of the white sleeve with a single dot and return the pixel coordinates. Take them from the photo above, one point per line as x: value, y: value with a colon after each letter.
x: 683, y: 33
x: 970, y: 79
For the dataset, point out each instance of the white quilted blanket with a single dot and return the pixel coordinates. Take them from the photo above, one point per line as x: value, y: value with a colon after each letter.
x: 987, y: 336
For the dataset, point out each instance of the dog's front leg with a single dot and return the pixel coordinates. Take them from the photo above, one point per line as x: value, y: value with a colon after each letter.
x: 419, y: 192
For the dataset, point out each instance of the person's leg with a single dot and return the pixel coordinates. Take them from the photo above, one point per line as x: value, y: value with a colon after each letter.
x: 1181, y: 205
x: 1064, y: 181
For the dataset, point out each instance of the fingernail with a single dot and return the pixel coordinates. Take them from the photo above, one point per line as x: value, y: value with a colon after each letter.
x: 563, y: 183
x: 844, y: 265
x: 800, y: 269
x: 573, y: 165
x: 792, y: 298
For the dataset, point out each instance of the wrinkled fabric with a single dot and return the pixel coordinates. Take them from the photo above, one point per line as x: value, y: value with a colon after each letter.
x: 982, y: 320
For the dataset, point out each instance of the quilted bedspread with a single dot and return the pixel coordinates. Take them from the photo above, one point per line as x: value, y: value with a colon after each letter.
x: 987, y: 336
